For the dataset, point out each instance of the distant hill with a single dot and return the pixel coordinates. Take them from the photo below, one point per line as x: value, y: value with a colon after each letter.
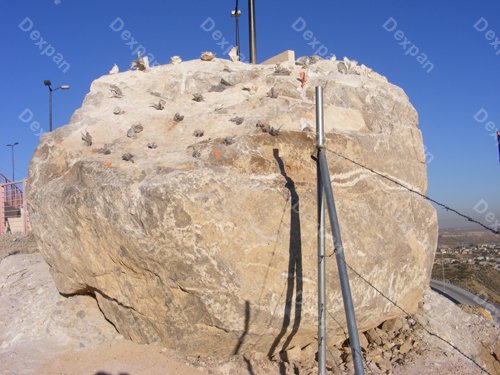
x: 458, y: 237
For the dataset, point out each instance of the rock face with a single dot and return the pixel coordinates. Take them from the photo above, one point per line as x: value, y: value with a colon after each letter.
x: 207, y: 242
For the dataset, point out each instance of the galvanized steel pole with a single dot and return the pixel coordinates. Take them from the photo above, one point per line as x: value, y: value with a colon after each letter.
x: 339, y: 254
x: 342, y: 268
x: 252, y: 32
x: 320, y: 132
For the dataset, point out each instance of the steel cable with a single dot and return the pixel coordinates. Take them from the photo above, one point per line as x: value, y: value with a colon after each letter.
x: 446, y: 207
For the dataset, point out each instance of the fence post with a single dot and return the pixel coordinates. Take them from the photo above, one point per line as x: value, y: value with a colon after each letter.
x: 321, y: 239
x: 25, y: 208
x: 2, y: 210
x: 324, y: 173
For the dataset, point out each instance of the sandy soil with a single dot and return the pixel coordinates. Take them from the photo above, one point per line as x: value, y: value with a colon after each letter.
x: 122, y: 357
x: 11, y: 244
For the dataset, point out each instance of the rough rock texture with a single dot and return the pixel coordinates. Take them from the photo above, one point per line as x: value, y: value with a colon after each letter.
x: 208, y: 244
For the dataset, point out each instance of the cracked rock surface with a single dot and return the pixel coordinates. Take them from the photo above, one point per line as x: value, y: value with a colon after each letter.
x: 209, y: 246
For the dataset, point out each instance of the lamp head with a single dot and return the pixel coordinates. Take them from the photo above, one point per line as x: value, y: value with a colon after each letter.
x: 64, y: 87
x: 47, y: 82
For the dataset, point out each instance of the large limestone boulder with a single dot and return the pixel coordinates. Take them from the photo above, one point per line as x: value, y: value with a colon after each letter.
x: 172, y: 198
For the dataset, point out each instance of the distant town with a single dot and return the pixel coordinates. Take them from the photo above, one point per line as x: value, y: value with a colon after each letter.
x: 469, y: 258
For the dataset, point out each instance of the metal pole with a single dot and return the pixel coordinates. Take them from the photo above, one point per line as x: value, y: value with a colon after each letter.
x: 237, y: 35
x: 321, y: 240
x: 320, y: 128
x: 339, y: 252
x: 50, y: 109
x: 237, y: 15
x: 13, y: 167
x: 341, y: 266
x: 251, y: 21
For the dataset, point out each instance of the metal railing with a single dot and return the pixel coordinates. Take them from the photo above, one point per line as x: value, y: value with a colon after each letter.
x: 13, y: 193
x: 13, y: 206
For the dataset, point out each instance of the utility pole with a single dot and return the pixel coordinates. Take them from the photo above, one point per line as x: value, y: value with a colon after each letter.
x: 252, y: 32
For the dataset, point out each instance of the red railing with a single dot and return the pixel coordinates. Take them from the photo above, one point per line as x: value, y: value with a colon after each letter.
x: 13, y: 193
x: 13, y: 205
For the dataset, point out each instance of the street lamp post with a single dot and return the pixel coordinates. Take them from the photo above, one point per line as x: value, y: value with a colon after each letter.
x: 236, y: 13
x: 12, y: 150
x: 51, y: 90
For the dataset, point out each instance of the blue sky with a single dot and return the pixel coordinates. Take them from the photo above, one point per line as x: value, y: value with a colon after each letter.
x: 462, y: 84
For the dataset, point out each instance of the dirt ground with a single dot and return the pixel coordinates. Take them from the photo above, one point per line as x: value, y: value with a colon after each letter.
x: 127, y: 358
x: 11, y: 244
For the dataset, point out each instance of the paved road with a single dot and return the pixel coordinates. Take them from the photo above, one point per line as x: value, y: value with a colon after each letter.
x: 459, y: 295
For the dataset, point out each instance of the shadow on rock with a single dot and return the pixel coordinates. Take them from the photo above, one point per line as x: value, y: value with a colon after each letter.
x: 294, y: 280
